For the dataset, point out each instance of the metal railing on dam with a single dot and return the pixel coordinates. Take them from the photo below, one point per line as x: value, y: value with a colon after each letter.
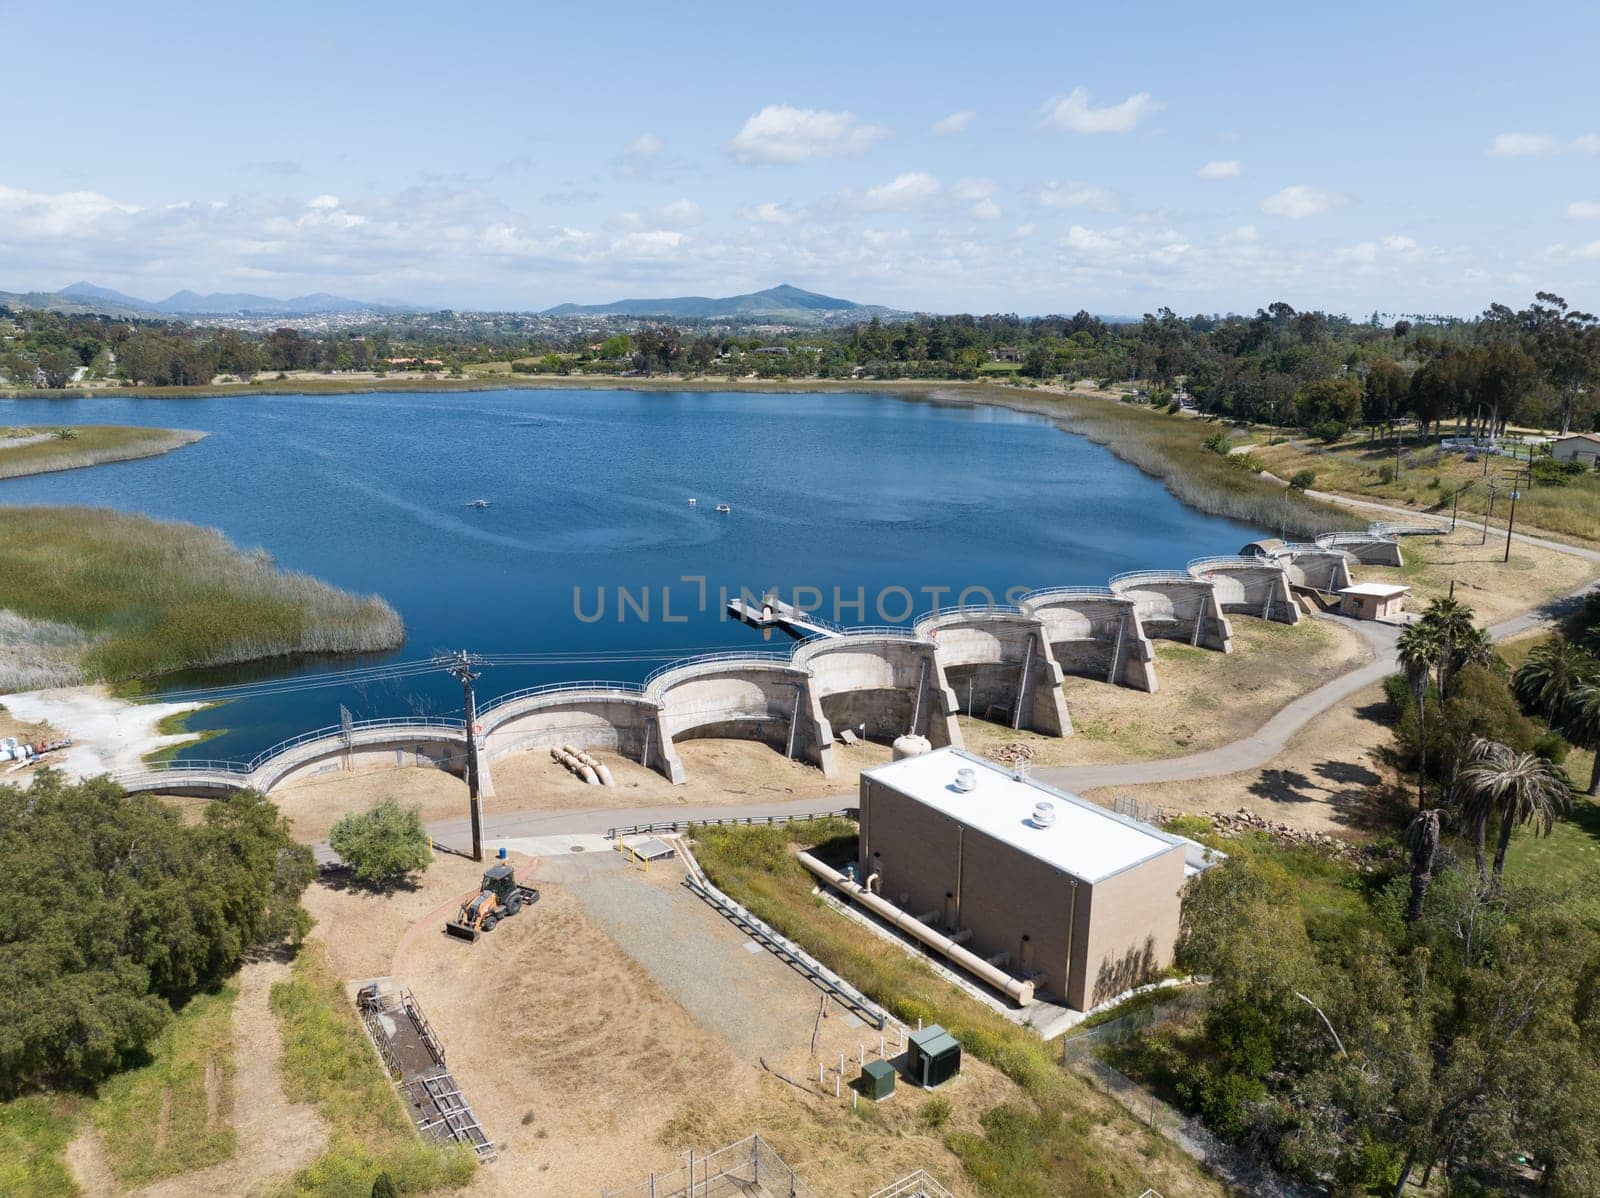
x: 331, y: 731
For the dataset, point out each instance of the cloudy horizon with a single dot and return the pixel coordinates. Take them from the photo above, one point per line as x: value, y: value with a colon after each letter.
x: 1199, y: 162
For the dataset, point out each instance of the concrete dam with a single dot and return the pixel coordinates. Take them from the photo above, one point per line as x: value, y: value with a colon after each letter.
x: 1001, y: 663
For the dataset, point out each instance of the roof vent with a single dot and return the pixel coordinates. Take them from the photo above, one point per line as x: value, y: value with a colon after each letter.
x: 1044, y: 815
x: 966, y: 780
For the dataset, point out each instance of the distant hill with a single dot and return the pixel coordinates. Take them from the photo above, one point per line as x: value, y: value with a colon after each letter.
x: 779, y: 303
x: 88, y: 297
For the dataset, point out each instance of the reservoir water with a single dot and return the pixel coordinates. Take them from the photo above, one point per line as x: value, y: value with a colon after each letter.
x: 868, y: 497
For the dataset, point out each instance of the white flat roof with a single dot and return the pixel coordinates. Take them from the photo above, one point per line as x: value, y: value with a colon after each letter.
x: 1085, y: 841
x: 1377, y: 590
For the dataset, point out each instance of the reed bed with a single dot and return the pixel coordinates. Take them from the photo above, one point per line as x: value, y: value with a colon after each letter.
x: 36, y: 654
x: 1171, y: 448
x: 153, y: 596
x: 38, y: 450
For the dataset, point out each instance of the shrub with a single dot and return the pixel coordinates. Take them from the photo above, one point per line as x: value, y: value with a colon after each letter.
x: 1329, y: 431
x: 1553, y: 747
x: 1217, y: 442
x: 1173, y: 407
x: 936, y: 1112
x: 1302, y: 480
x: 384, y: 843
x: 1547, y: 472
x: 1386, y: 474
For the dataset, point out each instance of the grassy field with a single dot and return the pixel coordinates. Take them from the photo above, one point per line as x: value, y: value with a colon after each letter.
x: 1039, y: 1142
x: 155, y: 596
x: 34, y: 1134
x: 171, y: 1115
x: 89, y: 445
x: 1428, y: 480
x: 327, y: 1060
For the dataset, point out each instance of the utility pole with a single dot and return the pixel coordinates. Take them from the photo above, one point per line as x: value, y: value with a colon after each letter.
x: 1488, y: 516
x: 460, y: 667
x: 1516, y: 494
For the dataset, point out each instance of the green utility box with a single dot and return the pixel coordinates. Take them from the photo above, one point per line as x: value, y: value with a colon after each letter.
x: 877, y: 1080
x: 934, y: 1056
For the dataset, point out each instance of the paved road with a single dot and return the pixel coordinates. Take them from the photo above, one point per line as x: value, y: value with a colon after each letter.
x: 1592, y: 555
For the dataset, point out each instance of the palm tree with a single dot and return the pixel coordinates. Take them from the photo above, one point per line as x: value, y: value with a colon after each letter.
x: 1580, y: 721
x: 1422, y: 838
x: 1420, y: 649
x: 1474, y: 649
x: 1546, y: 678
x: 1523, y: 788
x: 1451, y: 620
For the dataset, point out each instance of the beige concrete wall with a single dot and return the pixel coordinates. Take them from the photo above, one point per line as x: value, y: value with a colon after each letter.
x: 1260, y: 590
x: 1179, y: 609
x: 1113, y: 933
x: 627, y: 727
x: 1096, y: 637
x: 1001, y: 662
x: 1129, y: 930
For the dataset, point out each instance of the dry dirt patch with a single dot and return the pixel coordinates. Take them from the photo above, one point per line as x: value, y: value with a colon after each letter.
x: 1205, y: 698
x: 1327, y: 779
x: 573, y: 1057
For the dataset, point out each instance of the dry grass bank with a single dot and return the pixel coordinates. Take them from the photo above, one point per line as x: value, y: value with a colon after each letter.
x: 40, y: 450
x: 152, y: 596
x: 1428, y: 480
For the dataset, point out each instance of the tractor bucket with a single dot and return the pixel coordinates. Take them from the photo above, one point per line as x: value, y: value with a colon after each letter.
x: 462, y: 932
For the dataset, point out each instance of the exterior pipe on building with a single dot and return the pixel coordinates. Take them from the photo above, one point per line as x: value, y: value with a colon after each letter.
x: 1020, y: 992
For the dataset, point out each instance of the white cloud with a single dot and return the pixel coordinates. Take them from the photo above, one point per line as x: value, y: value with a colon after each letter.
x: 646, y: 145
x: 1525, y: 145
x: 956, y: 122
x: 771, y: 213
x: 782, y: 134
x: 973, y: 189
x: 680, y: 212
x: 1583, y: 210
x: 1300, y: 201
x: 1244, y: 235
x: 903, y: 191
x: 986, y: 210
x: 1072, y: 194
x: 1072, y: 113
x: 35, y: 213
x: 1519, y: 145
x: 1226, y: 168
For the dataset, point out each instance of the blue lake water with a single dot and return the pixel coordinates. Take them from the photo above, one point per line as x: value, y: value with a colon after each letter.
x: 876, y: 497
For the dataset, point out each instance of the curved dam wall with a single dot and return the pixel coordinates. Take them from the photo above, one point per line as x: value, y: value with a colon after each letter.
x: 1008, y: 664
x: 1095, y: 633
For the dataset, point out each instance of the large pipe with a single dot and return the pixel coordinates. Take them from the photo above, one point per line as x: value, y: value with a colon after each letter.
x: 1019, y: 991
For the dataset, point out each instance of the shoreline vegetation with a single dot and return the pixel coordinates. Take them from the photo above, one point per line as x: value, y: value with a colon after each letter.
x: 46, y: 449
x: 89, y: 594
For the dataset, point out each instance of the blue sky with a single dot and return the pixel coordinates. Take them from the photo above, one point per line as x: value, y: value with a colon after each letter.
x: 1030, y: 158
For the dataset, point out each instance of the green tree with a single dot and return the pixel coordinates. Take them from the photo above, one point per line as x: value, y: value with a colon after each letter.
x: 1549, y: 673
x: 384, y: 843
x: 1420, y: 649
x: 1580, y: 722
x: 112, y: 909
x: 383, y: 1187
x: 1522, y: 788
x: 1422, y: 838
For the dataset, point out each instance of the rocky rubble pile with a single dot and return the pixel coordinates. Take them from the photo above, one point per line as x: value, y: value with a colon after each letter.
x: 1012, y: 753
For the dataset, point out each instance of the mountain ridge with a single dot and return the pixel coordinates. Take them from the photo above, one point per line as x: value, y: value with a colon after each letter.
x: 785, y: 300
